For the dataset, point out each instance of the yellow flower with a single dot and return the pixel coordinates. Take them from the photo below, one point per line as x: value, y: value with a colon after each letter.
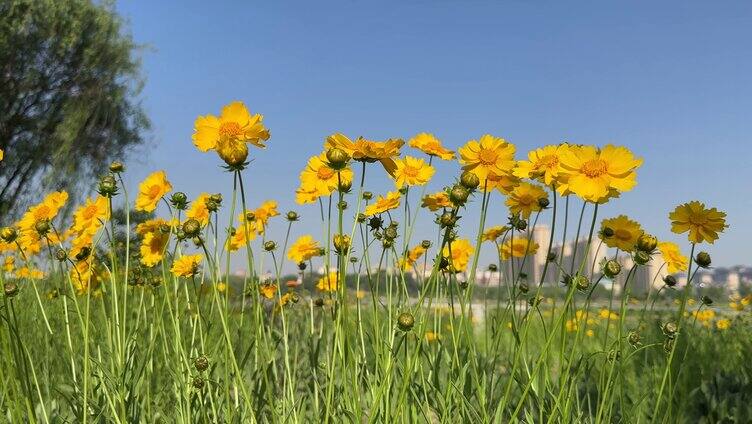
x: 412, y: 257
x: 590, y: 333
x: 412, y: 171
x: 608, y: 315
x: 723, y: 324
x: 268, y: 290
x: 542, y: 164
x: 198, y: 210
x: 458, y: 252
x: 430, y: 145
x: 368, y: 151
x: 702, y: 224
x: 85, y: 277
x: 240, y: 238
x: 488, y: 156
x: 47, y: 210
x: 518, y: 248
x: 504, y: 183
x: 153, y: 247
x: 675, y: 261
x: 320, y: 179
x: 2, y: 154
x: 328, y: 283
x: 303, y: 249
x: 305, y: 195
x: 186, y: 265
x: 9, y: 263
x: 30, y: 273
x: 151, y: 190
x: 260, y: 215
x: 597, y: 174
x: 152, y: 225
x: 431, y: 336
x: 228, y: 133
x: 90, y: 216
x: 524, y: 199
x: 383, y: 204
x: 493, y: 233
x: 436, y: 201
x: 626, y: 233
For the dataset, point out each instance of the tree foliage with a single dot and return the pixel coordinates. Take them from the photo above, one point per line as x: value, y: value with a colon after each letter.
x: 69, y: 85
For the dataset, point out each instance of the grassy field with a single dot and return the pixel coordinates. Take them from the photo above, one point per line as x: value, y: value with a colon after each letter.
x: 130, y: 314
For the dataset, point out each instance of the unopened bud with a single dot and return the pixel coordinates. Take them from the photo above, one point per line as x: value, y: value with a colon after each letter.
x: 337, y: 158
x: 469, y: 180
x: 703, y: 259
x: 405, y: 321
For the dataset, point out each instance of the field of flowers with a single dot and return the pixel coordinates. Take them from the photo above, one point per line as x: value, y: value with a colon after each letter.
x: 128, y: 312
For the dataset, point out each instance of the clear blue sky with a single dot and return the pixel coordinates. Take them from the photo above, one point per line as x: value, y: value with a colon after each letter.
x: 670, y: 80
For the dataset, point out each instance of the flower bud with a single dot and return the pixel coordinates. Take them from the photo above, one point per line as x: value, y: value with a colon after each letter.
x: 375, y: 222
x: 469, y: 180
x: 302, y: 266
x: 108, y: 186
x: 319, y: 302
x: 361, y: 218
x: 543, y: 202
x: 201, y: 363
x: 463, y: 284
x: 83, y: 253
x: 337, y: 158
x: 191, y: 228
x: 234, y: 153
x: 250, y: 216
x: 646, y: 242
x: 641, y: 257
x: 458, y: 195
x: 447, y: 220
x: 10, y: 289
x: 216, y: 198
x: 164, y: 228
x: 669, y: 329
x: 402, y: 190
x: 670, y: 280
x: 341, y: 243
x: 211, y: 205
x: 117, y: 167
x: 706, y: 300
x: 270, y: 246
x: 367, y: 195
x: 633, y: 338
x: 611, y: 268
x: 405, y: 321
x: 534, y: 301
x: 581, y: 282
x: 551, y: 257
x: 344, y: 186
x: 198, y: 383
x: 493, y: 267
x: 42, y: 227
x: 703, y: 259
x: 292, y: 216
x: 524, y: 288
x: 425, y: 244
x: 390, y: 233
x: 8, y: 234
x: 179, y: 200
x: 353, y: 260
x: 342, y: 205
x: 387, y: 243
x: 61, y: 255
x: 668, y: 345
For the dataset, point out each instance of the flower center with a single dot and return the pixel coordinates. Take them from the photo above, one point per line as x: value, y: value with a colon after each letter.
x: 594, y: 168
x: 229, y: 129
x: 154, y: 191
x: 526, y: 200
x: 410, y: 171
x: 324, y: 173
x: 548, y: 162
x: 90, y: 212
x: 698, y: 219
x: 487, y: 156
x: 622, y: 234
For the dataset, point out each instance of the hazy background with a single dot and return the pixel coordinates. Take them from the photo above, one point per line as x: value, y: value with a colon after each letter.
x: 670, y: 80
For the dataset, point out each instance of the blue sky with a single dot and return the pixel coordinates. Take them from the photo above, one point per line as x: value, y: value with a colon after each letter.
x: 670, y: 80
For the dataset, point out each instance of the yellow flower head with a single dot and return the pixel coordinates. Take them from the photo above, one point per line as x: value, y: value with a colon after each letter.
x: 412, y: 171
x: 493, y: 233
x: 368, y: 151
x: 152, y: 225
x: 518, y: 248
x: 596, y: 174
x: 542, y: 164
x: 30, y: 273
x: 701, y: 223
x: 228, y: 133
x: 153, y: 247
x: 268, y: 290
x: 503, y: 183
x: 320, y: 179
x: 431, y: 336
x: 430, y: 145
x: 260, y: 215
x: 458, y: 253
x: 436, y: 201
x: 625, y: 233
x: 90, y: 216
x: 47, y: 210
x: 85, y: 277
x: 383, y: 204
x: 9, y: 263
x: 524, y: 199
x: 723, y: 324
x: 198, y: 210
x: 186, y: 265
x: 328, y: 283
x: 489, y: 155
x: 305, y: 195
x: 151, y: 190
x: 412, y: 257
x: 303, y: 249
x: 675, y: 261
